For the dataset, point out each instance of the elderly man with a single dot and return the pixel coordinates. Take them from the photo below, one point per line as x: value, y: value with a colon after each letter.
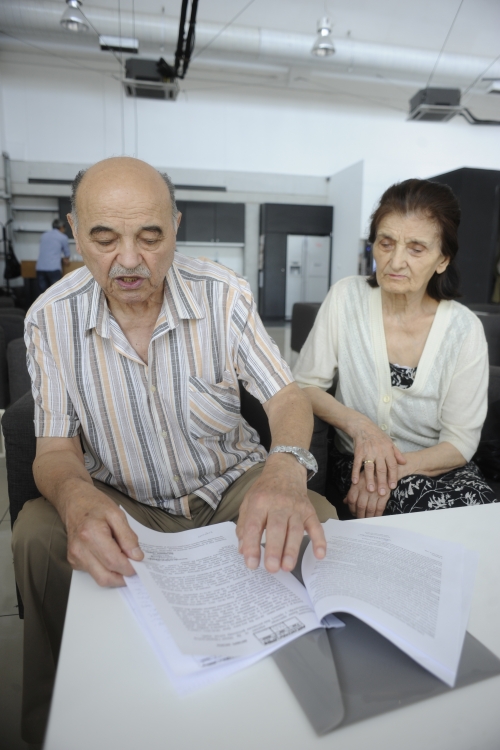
x: 135, y: 362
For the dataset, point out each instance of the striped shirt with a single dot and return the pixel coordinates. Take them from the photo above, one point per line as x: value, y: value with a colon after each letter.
x: 162, y: 430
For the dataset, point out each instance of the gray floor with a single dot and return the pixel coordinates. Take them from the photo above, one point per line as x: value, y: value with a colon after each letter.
x: 11, y: 627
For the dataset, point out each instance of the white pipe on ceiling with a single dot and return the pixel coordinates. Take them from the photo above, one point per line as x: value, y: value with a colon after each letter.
x: 265, y: 45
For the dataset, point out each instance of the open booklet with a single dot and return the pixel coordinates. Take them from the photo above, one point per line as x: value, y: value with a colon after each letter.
x: 207, y: 615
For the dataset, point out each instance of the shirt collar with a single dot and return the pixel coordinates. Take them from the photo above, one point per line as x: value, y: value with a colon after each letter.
x: 179, y: 303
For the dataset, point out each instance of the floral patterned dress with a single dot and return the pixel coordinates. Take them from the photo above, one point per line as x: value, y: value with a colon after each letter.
x: 456, y: 488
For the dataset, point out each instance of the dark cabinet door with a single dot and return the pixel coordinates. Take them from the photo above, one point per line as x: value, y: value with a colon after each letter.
x: 211, y: 222
x: 273, y: 293
x: 230, y: 222
x: 200, y: 221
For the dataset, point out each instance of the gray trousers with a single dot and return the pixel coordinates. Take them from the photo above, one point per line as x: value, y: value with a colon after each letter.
x: 43, y: 575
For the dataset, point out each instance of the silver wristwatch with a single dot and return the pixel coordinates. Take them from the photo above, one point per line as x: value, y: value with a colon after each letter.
x: 303, y: 457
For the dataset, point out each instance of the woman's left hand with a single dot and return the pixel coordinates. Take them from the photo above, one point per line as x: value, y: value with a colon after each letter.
x: 362, y: 503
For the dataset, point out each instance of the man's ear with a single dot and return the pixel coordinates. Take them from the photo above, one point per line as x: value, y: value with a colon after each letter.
x: 179, y: 217
x: 73, y: 229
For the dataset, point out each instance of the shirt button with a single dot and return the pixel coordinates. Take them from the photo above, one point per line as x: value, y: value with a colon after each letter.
x: 386, y: 399
x: 153, y: 389
x: 164, y: 434
x: 176, y: 477
x: 383, y: 427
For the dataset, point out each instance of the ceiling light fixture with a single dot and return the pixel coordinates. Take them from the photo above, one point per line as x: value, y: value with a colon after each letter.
x: 324, y: 46
x: 73, y: 18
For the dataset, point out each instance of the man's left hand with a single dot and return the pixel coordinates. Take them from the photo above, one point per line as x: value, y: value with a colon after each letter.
x: 278, y: 503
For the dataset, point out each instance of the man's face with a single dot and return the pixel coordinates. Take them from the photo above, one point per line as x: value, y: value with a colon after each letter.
x: 125, y: 231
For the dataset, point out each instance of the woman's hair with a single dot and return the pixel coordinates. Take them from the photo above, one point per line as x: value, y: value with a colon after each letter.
x: 435, y: 202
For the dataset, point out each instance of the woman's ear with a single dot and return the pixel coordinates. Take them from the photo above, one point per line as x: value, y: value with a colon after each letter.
x: 443, y: 265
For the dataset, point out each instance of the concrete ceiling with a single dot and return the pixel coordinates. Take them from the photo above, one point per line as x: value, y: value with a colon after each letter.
x: 422, y: 24
x: 394, y: 45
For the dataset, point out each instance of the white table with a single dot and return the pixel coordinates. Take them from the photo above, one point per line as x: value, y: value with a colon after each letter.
x: 110, y: 692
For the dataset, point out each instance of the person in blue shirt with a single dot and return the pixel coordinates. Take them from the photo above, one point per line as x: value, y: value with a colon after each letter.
x: 54, y: 250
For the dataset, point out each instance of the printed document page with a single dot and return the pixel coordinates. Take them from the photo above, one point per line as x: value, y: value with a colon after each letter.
x: 412, y: 588
x: 186, y: 673
x: 211, y: 603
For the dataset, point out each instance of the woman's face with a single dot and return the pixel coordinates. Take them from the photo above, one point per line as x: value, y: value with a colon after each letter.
x: 407, y: 253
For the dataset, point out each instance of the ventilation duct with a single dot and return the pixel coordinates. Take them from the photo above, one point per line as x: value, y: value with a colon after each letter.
x: 239, y: 43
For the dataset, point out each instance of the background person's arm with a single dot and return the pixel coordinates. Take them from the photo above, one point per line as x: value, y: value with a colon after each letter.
x: 100, y: 540
x: 278, y: 501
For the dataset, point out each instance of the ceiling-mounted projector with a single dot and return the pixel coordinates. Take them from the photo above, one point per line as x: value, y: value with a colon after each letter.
x: 150, y: 79
x: 156, y: 79
x: 440, y: 105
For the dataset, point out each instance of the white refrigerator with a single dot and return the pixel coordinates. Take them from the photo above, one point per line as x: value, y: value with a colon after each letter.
x: 307, y: 270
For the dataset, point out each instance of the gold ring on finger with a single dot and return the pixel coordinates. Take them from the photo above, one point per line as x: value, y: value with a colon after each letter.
x: 369, y: 461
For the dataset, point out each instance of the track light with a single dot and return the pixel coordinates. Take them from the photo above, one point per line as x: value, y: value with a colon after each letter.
x: 73, y: 18
x: 323, y: 46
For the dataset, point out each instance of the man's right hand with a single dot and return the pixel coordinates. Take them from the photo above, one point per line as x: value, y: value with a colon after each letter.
x: 100, y: 541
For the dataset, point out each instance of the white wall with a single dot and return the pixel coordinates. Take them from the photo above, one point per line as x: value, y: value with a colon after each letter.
x: 64, y: 115
x: 345, y: 193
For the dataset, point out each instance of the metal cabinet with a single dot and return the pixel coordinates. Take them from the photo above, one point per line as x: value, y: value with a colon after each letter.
x: 478, y: 192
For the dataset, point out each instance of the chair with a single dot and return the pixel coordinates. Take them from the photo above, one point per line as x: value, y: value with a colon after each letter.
x: 19, y: 378
x: 12, y: 324
x: 4, y: 310
x: 303, y: 317
x: 11, y: 327
x: 4, y: 373
x: 484, y: 307
x: 491, y: 325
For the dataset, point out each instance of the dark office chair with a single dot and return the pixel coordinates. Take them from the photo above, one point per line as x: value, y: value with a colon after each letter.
x: 12, y: 311
x: 491, y: 324
x: 303, y: 317
x: 490, y: 308
x: 12, y: 324
x: 19, y: 378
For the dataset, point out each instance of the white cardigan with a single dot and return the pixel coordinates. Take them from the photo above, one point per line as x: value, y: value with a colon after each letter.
x: 448, y: 398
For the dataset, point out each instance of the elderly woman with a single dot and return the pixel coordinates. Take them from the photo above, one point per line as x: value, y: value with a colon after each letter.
x: 412, y: 364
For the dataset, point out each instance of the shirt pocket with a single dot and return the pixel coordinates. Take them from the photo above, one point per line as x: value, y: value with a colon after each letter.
x: 214, y: 408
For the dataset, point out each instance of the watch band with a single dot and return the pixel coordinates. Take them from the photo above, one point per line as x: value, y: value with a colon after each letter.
x: 302, y: 455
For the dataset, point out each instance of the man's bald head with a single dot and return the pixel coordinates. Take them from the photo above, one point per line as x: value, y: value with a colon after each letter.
x: 120, y: 168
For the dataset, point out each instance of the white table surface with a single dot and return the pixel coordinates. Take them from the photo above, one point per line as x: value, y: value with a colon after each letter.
x: 111, y: 693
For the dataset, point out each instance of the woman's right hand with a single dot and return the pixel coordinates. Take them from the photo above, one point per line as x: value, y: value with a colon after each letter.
x: 374, y: 450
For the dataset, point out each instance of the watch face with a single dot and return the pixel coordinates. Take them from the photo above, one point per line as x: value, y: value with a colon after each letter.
x: 307, y: 458
x: 303, y: 454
